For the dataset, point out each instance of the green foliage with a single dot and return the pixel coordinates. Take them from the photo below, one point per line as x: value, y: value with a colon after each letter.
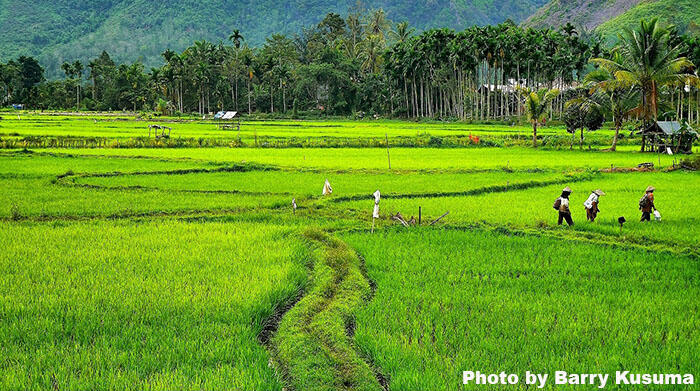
x: 121, y: 130
x: 583, y: 113
x: 136, y: 29
x: 338, y: 67
x: 536, y: 106
x: 163, y: 107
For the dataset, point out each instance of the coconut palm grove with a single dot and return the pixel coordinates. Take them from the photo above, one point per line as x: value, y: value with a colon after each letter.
x: 315, y: 196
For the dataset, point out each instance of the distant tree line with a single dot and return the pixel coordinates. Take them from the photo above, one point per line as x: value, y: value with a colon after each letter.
x: 362, y: 64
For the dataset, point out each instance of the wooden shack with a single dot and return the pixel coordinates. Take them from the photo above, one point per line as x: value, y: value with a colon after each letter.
x: 664, y: 136
x: 159, y: 131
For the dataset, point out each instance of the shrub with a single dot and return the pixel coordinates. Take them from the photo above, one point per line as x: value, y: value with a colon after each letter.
x: 15, y: 212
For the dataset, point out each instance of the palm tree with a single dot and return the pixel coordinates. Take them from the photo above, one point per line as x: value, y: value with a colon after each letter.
x: 536, y: 104
x: 354, y: 35
x: 248, y: 63
x: 157, y: 78
x: 236, y: 38
x: 569, y: 29
x: 618, y: 94
x: 94, y: 70
x: 75, y: 73
x: 377, y: 23
x: 371, y: 54
x: 176, y: 65
x: 78, y: 72
x: 647, y: 64
x: 402, y: 32
x: 202, y: 53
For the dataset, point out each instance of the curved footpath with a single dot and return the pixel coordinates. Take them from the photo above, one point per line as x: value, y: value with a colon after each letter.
x: 312, y: 348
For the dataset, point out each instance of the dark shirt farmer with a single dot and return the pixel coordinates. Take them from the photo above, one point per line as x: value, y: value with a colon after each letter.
x: 563, y: 207
x: 647, y: 204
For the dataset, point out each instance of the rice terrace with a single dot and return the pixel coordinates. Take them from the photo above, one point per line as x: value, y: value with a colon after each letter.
x: 422, y: 216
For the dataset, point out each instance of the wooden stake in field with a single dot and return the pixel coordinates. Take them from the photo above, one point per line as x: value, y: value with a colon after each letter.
x: 440, y: 218
x: 375, y: 212
x: 388, y: 157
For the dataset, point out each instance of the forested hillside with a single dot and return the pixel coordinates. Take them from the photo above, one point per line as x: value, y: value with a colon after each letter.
x: 581, y: 13
x: 609, y: 17
x: 62, y: 30
x: 684, y: 14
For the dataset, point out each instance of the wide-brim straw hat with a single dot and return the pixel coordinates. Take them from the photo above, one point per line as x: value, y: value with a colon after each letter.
x: 567, y: 189
x: 599, y: 192
x: 650, y: 188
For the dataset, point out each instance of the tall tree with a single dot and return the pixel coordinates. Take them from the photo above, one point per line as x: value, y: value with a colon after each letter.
x: 78, y: 73
x: 618, y: 95
x: 402, y: 32
x: 236, y: 38
x: 232, y: 67
x: 536, y: 104
x: 648, y: 64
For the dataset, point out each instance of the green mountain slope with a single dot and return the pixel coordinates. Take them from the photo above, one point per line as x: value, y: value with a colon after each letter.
x: 609, y: 16
x: 63, y: 30
x: 685, y: 14
x: 581, y: 13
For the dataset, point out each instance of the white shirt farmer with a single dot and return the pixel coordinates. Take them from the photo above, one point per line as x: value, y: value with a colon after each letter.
x: 591, y: 199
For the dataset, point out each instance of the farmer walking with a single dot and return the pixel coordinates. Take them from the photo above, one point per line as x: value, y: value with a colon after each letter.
x: 646, y: 204
x: 591, y: 205
x: 562, y: 205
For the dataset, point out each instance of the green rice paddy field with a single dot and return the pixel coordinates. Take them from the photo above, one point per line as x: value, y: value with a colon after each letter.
x: 188, y: 269
x: 33, y: 129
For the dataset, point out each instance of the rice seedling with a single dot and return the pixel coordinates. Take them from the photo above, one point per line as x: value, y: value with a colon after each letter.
x: 402, y: 159
x: 160, y: 304
x: 309, y: 183
x: 120, y: 128
x: 449, y: 301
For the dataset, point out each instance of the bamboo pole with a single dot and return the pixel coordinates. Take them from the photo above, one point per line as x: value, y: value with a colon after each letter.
x: 388, y: 157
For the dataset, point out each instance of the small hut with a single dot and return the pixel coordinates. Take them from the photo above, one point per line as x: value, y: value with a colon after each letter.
x: 228, y: 120
x: 662, y: 136
x: 159, y: 131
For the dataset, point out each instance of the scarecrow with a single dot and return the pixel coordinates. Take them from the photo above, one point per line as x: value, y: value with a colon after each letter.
x: 327, y: 189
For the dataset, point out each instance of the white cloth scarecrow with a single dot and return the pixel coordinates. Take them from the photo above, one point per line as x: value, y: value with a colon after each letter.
x: 375, y: 213
x: 327, y: 189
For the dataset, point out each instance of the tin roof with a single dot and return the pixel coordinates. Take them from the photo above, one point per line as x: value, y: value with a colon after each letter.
x: 225, y: 114
x: 669, y: 127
